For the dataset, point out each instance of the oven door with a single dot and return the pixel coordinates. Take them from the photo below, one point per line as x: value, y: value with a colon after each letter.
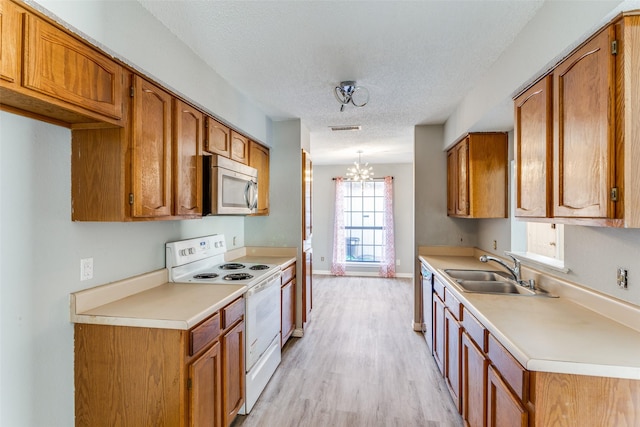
x: 262, y: 318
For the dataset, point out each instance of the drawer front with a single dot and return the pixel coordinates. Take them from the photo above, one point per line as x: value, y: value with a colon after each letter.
x: 452, y: 304
x: 438, y: 287
x: 474, y: 328
x: 203, y: 334
x: 288, y: 273
x: 232, y: 313
x: 513, y: 373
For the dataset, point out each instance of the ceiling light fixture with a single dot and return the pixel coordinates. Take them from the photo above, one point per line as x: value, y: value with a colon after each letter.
x: 360, y: 172
x: 348, y: 92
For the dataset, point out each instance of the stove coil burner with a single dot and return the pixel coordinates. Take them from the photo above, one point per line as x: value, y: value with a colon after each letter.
x: 259, y: 267
x: 206, y: 276
x: 238, y: 276
x: 231, y: 266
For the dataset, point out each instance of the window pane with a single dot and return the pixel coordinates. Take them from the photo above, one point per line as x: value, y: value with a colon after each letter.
x: 356, y: 204
x: 369, y: 188
x: 356, y: 220
x: 367, y: 237
x: 378, y: 236
x: 356, y: 189
x: 368, y: 219
x: 368, y: 253
x: 368, y: 204
x: 379, y: 219
x: 379, y: 203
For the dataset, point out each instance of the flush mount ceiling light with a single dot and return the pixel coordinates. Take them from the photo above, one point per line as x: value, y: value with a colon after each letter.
x: 348, y: 92
x: 360, y: 172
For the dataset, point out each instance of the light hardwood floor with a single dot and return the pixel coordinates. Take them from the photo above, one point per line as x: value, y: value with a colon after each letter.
x: 358, y: 364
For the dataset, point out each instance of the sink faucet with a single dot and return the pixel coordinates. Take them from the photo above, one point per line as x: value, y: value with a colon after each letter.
x: 515, y: 270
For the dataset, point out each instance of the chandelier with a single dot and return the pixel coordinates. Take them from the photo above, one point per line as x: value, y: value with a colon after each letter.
x: 348, y: 92
x: 360, y: 172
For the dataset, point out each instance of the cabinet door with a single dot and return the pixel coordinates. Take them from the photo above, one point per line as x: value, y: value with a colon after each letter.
x: 288, y: 307
x: 187, y: 156
x: 438, y: 332
x: 452, y: 337
x: 259, y: 159
x: 151, y: 154
x: 218, y: 138
x: 533, y: 151
x: 504, y: 409
x: 239, y: 148
x: 307, y: 190
x: 10, y: 42
x: 205, y: 401
x: 584, y: 149
x: 462, y: 178
x: 307, y: 286
x: 452, y: 182
x: 474, y: 383
x: 58, y: 65
x: 232, y: 372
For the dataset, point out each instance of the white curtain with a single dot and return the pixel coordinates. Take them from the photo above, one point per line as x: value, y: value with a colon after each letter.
x: 388, y: 262
x: 338, y: 266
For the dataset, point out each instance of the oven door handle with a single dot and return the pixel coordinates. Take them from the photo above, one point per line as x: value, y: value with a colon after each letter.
x: 271, y: 281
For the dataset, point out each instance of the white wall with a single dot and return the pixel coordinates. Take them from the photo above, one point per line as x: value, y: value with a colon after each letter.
x: 40, y: 247
x: 323, y: 215
x: 554, y: 30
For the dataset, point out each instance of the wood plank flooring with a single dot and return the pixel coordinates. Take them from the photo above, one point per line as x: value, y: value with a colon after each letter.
x: 359, y: 364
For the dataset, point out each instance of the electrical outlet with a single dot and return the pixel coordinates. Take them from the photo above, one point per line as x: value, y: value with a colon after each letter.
x: 321, y: 258
x: 622, y: 277
x: 398, y: 262
x: 86, y: 268
x: 234, y: 240
x: 495, y: 245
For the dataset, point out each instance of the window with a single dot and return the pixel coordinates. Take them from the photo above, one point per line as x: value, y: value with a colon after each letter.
x: 538, y: 243
x: 364, y: 209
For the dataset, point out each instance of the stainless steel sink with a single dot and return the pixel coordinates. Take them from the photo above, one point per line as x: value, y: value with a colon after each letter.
x: 491, y: 282
x: 478, y: 275
x: 494, y: 287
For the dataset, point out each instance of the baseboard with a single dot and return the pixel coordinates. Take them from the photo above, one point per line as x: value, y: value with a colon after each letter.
x: 298, y: 333
x: 362, y: 274
x: 417, y: 326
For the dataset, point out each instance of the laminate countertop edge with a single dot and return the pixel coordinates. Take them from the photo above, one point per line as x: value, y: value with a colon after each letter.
x: 547, y: 334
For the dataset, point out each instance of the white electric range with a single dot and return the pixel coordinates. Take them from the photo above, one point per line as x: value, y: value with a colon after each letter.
x: 201, y: 260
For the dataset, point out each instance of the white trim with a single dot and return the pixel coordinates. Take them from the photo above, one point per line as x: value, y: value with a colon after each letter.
x: 418, y: 327
x: 535, y: 260
x: 298, y: 333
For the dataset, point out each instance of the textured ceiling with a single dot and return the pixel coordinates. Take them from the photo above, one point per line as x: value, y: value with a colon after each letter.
x: 417, y: 58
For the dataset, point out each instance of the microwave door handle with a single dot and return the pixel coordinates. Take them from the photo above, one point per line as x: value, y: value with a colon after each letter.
x: 251, y: 204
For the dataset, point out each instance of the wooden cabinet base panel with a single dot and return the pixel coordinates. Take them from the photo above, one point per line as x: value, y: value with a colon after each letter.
x: 579, y: 400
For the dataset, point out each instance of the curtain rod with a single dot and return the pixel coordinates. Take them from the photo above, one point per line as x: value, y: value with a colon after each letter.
x: 375, y: 179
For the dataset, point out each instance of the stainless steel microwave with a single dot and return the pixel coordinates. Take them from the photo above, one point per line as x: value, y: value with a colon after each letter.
x: 230, y: 188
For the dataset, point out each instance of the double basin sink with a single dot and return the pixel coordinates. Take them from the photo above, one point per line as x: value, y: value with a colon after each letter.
x: 491, y: 282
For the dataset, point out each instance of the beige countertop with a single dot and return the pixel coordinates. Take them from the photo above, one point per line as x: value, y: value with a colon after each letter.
x: 548, y: 334
x: 149, y: 300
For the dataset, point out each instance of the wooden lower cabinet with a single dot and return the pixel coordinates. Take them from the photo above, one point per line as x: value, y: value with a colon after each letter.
x: 233, y: 372
x: 504, y: 409
x: 452, y: 355
x: 438, y: 332
x: 139, y: 376
x: 288, y: 302
x: 474, y: 383
x: 205, y: 389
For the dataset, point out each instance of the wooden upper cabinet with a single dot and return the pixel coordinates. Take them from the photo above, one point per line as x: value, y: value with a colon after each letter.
x: 533, y: 150
x: 477, y: 176
x: 584, y: 141
x: 259, y: 159
x: 187, y: 155
x: 11, y: 19
x: 239, y: 148
x: 60, y: 66
x: 151, y: 150
x: 218, y: 138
